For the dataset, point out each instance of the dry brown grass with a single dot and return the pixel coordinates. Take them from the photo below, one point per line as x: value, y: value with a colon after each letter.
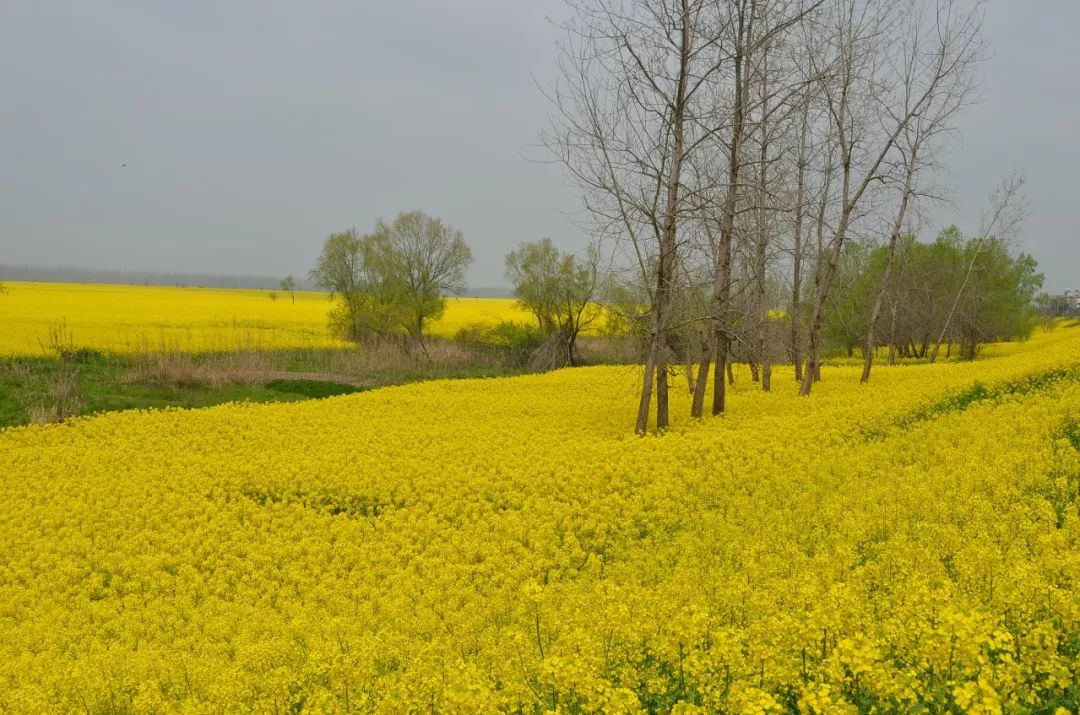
x: 51, y: 396
x: 184, y: 370
x: 373, y: 362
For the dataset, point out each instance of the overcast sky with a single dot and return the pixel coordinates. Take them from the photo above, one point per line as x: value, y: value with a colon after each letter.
x: 251, y: 130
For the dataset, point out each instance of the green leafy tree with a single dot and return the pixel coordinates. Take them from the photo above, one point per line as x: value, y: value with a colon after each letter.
x: 288, y: 285
x: 419, y: 259
x: 998, y: 300
x: 558, y: 289
x: 348, y: 270
x: 392, y: 281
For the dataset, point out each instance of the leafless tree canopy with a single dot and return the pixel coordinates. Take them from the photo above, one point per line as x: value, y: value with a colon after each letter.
x: 735, y: 156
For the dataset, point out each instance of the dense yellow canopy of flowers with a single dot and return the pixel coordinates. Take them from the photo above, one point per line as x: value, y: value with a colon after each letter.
x: 505, y: 545
x: 126, y: 318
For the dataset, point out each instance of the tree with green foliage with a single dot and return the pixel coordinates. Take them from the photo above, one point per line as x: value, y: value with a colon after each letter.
x: 419, y: 260
x: 346, y: 269
x: 288, y: 285
x: 999, y: 303
x: 392, y: 281
x: 557, y: 288
x: 997, y: 296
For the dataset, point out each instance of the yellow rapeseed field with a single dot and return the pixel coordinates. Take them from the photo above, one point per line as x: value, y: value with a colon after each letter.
x: 124, y: 318
x: 505, y: 545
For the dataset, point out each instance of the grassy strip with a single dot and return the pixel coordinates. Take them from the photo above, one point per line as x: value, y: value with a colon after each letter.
x: 977, y: 393
x: 50, y: 389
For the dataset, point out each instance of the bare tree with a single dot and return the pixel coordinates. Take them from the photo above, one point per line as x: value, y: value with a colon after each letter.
x: 627, y: 121
x: 750, y: 27
x: 712, y: 138
x: 948, y: 95
x: 870, y: 107
x: 797, y: 249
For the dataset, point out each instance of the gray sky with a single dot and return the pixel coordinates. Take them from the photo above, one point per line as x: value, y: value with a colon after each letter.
x: 252, y: 130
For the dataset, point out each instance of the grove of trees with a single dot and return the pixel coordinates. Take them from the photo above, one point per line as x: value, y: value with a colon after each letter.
x: 914, y: 308
x: 758, y: 167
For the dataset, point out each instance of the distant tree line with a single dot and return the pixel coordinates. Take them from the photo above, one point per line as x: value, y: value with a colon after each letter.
x: 67, y: 274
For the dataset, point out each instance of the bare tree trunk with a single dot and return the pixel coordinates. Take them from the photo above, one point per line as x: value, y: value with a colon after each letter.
x: 702, y: 381
x: 665, y: 273
x: 795, y: 347
x: 661, y: 395
x: 698, y: 388
x: 722, y: 270
x: 645, y: 402
x: 894, y: 239
x: 824, y: 285
x: 719, y: 386
x: 766, y: 368
x: 813, y: 369
x: 892, y: 334
x: 762, y: 243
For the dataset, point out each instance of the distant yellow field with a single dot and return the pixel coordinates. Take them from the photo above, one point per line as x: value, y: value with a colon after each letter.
x: 127, y: 318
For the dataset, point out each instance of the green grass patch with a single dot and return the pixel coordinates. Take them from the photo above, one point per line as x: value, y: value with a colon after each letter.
x: 975, y: 394
x: 82, y: 381
x: 312, y: 389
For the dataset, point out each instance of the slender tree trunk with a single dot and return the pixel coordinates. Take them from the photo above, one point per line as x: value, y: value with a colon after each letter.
x: 762, y: 244
x: 817, y: 319
x: 894, y: 239
x: 645, y: 402
x: 668, y: 236
x: 955, y: 303
x: 813, y: 353
x: 700, y: 385
x: 722, y: 270
x: 892, y: 333
x: 795, y: 347
x: 702, y: 377
x: 661, y: 395
x: 719, y: 386
x: 879, y: 299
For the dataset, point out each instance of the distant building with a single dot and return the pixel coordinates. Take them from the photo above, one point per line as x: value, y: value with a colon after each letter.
x: 1072, y: 297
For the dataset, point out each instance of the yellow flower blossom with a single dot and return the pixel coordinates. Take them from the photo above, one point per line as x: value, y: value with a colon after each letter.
x: 507, y: 546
